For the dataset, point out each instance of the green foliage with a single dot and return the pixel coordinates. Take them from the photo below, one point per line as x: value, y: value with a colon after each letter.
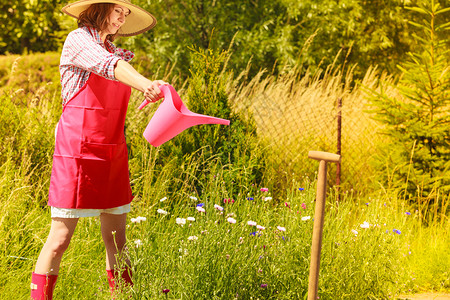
x: 418, y: 121
x: 30, y: 25
x: 210, y: 258
x: 227, y: 259
x: 271, y: 34
x: 29, y: 76
x: 236, y: 144
x: 276, y: 34
x: 207, y: 95
x: 27, y: 117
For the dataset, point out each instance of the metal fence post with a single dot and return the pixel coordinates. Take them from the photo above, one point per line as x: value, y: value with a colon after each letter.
x: 339, y: 148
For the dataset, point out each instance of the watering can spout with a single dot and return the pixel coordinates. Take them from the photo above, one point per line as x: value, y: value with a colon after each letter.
x: 172, y: 117
x: 197, y: 119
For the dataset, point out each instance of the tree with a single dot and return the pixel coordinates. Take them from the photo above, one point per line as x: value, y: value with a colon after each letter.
x: 274, y: 33
x: 418, y: 122
x: 30, y: 25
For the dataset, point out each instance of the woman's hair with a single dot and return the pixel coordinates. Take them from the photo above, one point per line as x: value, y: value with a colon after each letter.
x: 97, y: 16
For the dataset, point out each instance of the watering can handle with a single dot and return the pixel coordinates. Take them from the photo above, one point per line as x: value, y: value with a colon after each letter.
x: 143, y: 104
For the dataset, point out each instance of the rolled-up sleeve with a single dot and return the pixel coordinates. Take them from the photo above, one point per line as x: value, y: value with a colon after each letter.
x: 126, y: 55
x: 82, y: 51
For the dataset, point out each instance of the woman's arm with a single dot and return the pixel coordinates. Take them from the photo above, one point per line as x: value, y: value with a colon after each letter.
x: 128, y: 75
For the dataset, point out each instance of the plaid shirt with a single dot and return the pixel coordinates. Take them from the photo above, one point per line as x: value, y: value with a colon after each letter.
x: 83, y: 53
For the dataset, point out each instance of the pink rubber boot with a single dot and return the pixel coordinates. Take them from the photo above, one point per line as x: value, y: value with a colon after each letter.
x: 42, y: 286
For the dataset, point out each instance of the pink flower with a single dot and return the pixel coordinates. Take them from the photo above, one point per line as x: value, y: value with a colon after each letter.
x: 264, y: 189
x: 303, y: 205
x: 281, y: 228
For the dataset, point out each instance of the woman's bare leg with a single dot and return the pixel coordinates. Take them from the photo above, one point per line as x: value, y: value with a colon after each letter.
x: 58, y: 240
x: 114, y: 237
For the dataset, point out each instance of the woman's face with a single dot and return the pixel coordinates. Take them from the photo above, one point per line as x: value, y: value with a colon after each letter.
x: 116, y: 19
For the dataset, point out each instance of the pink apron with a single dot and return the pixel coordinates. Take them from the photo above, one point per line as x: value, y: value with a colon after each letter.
x: 90, y: 162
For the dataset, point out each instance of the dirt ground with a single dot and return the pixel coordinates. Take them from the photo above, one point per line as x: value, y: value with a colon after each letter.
x: 425, y: 296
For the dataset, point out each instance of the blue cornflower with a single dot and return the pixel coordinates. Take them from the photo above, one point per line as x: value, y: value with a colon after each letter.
x: 397, y: 231
x: 200, y: 204
x: 255, y: 233
x: 408, y: 213
x: 301, y: 189
x: 250, y: 198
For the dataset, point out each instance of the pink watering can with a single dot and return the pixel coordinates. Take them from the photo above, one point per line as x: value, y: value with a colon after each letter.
x: 172, y: 117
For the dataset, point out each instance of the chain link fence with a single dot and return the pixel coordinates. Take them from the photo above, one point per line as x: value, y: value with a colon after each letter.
x: 296, y: 114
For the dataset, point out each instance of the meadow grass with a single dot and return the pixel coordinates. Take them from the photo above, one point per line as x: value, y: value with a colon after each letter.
x: 297, y: 112
x: 372, y: 248
x: 374, y: 245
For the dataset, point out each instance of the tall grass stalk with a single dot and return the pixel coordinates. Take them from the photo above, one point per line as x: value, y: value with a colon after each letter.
x: 297, y: 112
x: 373, y: 246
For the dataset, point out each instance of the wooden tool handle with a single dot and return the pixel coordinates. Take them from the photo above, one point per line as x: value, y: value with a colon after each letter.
x: 319, y: 155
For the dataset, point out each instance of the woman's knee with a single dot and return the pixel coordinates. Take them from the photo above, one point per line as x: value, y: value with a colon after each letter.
x: 58, y: 244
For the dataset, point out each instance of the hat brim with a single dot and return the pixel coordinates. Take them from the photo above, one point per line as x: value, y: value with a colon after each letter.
x: 138, y: 21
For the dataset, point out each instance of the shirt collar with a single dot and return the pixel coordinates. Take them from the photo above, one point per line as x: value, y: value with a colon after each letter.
x: 96, y: 35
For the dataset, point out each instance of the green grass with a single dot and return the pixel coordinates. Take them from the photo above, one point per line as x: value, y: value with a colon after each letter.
x: 225, y: 261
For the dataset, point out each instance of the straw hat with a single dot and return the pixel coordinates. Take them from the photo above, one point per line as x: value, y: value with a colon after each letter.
x: 137, y: 22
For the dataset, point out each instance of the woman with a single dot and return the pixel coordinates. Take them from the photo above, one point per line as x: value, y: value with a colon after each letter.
x: 90, y: 163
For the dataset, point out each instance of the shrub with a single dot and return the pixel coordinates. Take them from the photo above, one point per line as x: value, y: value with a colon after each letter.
x: 202, y: 145
x: 418, y: 156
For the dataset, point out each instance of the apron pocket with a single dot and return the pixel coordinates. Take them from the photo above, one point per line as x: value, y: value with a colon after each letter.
x: 99, y: 151
x: 103, y: 173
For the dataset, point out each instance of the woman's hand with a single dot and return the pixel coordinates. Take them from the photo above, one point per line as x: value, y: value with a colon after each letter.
x: 152, y: 92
